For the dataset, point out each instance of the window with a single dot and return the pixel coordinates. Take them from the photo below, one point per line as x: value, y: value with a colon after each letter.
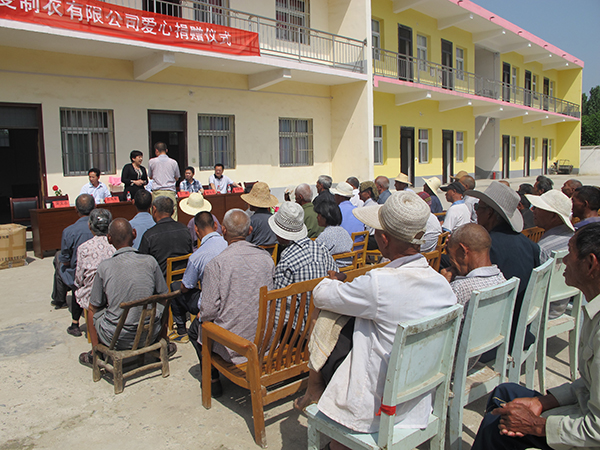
x: 423, y: 146
x: 460, y: 63
x: 375, y: 31
x: 551, y: 91
x: 295, y: 142
x: 292, y: 17
x: 550, y: 149
x: 460, y: 146
x: 210, y: 11
x: 378, y: 144
x: 422, y: 52
x: 513, y: 148
x: 216, y: 141
x: 514, y: 80
x: 167, y: 7
x: 532, y: 150
x: 87, y: 140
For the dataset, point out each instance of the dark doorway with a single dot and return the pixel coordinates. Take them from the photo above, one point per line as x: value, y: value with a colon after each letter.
x: 526, y: 156
x: 447, y: 155
x: 506, y: 82
x: 505, y: 156
x: 527, y: 99
x: 447, y: 78
x: 23, y: 171
x: 169, y: 127
x: 544, y: 156
x: 405, y: 52
x: 407, y: 152
x: 546, y: 93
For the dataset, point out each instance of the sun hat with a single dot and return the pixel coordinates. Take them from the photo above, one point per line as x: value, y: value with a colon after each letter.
x: 404, y: 215
x: 554, y: 201
x: 344, y: 189
x: 194, y: 204
x: 260, y: 196
x: 459, y: 175
x: 455, y: 186
x: 434, y: 183
x: 503, y: 200
x: 288, y: 222
x: 369, y: 184
x: 403, y: 178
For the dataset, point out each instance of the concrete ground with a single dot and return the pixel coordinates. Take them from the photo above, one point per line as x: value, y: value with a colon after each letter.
x: 48, y: 400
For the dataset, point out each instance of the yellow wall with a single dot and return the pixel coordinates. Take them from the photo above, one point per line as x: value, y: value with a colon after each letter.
x: 516, y: 127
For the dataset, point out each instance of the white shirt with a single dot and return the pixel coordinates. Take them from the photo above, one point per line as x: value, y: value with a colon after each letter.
x: 220, y: 183
x: 353, y: 397
x: 458, y: 214
x: 471, y: 202
x: 99, y: 192
x: 355, y: 199
x: 432, y: 232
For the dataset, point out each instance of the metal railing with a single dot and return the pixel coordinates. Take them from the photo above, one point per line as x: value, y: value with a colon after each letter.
x: 393, y: 65
x: 276, y: 38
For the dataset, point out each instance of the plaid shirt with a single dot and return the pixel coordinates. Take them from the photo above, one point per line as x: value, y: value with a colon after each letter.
x: 194, y: 186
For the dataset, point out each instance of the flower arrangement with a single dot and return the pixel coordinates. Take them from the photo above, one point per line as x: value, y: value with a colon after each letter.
x: 57, y: 191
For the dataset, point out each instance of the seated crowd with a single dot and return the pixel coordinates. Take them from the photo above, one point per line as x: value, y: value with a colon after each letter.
x: 227, y: 267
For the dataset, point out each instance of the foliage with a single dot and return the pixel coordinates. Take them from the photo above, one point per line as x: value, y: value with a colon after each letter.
x: 590, y: 117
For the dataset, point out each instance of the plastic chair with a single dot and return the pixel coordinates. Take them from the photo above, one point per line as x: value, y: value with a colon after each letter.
x: 570, y: 321
x: 421, y: 361
x: 19, y: 210
x: 486, y: 326
x: 360, y: 246
x: 532, y: 310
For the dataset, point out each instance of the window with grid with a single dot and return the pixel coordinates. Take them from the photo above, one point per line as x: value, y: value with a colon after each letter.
x: 210, y: 11
x: 295, y: 142
x: 293, y: 20
x: 422, y: 52
x: 513, y: 148
x: 378, y: 144
x: 87, y: 140
x: 533, y: 146
x: 460, y: 63
x: 423, y: 146
x: 216, y: 141
x: 376, y: 33
x: 460, y: 146
x: 514, y: 80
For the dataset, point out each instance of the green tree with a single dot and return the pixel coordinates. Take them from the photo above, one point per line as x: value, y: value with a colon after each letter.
x: 590, y: 117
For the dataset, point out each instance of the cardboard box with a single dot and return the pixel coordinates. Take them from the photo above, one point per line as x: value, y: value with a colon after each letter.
x: 13, y: 245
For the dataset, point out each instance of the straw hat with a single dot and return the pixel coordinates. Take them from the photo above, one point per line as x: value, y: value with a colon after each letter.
x: 369, y: 184
x: 434, y: 183
x: 459, y: 175
x: 404, y: 215
x: 260, y: 196
x: 403, y: 178
x: 344, y: 189
x: 504, y: 201
x: 288, y: 222
x: 194, y: 204
x: 554, y: 201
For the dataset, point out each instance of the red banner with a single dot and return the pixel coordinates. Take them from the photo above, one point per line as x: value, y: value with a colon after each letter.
x: 118, y: 21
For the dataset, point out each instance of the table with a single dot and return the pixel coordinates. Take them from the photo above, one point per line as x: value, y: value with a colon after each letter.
x: 221, y: 203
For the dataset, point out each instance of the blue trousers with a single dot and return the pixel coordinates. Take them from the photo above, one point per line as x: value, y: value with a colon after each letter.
x: 489, y: 437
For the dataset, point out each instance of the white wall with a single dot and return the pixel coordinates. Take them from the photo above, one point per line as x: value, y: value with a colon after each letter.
x: 487, y: 146
x: 589, y: 160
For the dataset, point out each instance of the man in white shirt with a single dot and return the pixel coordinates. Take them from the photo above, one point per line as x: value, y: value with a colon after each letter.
x: 458, y: 214
x: 219, y: 182
x: 95, y: 187
x: 355, y: 200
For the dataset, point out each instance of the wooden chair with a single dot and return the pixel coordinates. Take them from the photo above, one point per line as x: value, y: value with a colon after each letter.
x: 146, y: 324
x: 532, y: 310
x: 442, y: 242
x: 441, y: 215
x: 421, y: 361
x: 19, y: 210
x: 570, y: 321
x: 351, y: 257
x: 360, y: 246
x: 373, y: 257
x: 272, y: 249
x: 53, y: 198
x: 175, y: 275
x: 434, y: 258
x: 487, y: 326
x: 534, y: 233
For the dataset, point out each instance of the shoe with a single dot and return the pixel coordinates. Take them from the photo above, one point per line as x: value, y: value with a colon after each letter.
x: 74, y: 330
x: 58, y: 305
x: 87, y: 359
x: 181, y: 338
x: 171, y: 349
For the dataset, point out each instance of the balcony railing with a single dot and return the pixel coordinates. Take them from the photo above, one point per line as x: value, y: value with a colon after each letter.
x: 393, y: 65
x: 280, y: 39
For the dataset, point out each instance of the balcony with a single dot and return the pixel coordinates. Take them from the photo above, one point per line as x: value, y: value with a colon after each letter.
x: 408, y: 69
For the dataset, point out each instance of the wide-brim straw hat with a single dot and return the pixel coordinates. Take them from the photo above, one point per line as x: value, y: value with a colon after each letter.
x: 344, y: 189
x: 504, y: 201
x: 288, y: 222
x: 459, y: 175
x: 260, y: 196
x: 403, y: 178
x: 369, y: 184
x: 404, y: 215
x: 554, y: 201
x: 434, y: 183
x: 194, y: 204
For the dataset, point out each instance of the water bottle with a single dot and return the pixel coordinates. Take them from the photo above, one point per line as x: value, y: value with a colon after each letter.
x: 128, y: 196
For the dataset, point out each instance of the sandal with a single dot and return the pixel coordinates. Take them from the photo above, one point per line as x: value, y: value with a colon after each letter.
x: 87, y: 359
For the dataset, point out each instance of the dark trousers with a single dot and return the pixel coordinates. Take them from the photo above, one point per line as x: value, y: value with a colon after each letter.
x: 184, y: 303
x: 193, y: 336
x: 339, y: 353
x: 76, y: 310
x: 489, y: 437
x: 59, y: 288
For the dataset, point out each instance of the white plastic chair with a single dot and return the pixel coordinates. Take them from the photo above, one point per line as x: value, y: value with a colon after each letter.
x: 486, y: 326
x: 570, y: 321
x: 421, y: 361
x: 532, y: 311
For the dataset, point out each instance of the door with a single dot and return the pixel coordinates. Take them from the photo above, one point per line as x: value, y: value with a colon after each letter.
x: 405, y: 52
x: 169, y: 127
x: 447, y: 75
x: 526, y: 156
x: 505, y: 156
x: 23, y: 170
x: 544, y: 156
x: 546, y: 92
x: 447, y: 155
x: 407, y: 152
x: 506, y: 82
x: 527, y: 96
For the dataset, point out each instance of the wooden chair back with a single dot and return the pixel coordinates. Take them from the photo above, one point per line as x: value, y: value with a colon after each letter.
x: 434, y: 258
x: 534, y: 234
x: 351, y: 258
x: 272, y: 249
x: 19, y: 210
x: 442, y: 242
x: 360, y: 241
x: 174, y: 274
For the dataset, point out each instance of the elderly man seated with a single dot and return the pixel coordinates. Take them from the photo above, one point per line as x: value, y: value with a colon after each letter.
x: 568, y: 415
x: 354, y: 390
x: 586, y: 203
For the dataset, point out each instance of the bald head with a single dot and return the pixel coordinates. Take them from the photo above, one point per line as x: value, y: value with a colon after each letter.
x: 468, y: 182
x: 236, y: 225
x: 303, y: 194
x: 120, y: 233
x: 472, y: 236
x: 469, y: 248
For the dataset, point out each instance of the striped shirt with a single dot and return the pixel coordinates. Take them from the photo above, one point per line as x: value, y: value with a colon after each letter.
x: 194, y: 186
x: 164, y: 172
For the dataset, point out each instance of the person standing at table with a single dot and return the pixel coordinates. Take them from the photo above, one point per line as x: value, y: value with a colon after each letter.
x: 134, y: 175
x: 219, y: 182
x: 189, y: 184
x: 164, y: 172
x: 95, y: 187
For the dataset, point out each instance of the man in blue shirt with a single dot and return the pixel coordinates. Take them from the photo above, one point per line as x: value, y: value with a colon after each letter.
x: 95, y: 187
x: 343, y: 193
x: 189, y: 184
x: 143, y: 219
